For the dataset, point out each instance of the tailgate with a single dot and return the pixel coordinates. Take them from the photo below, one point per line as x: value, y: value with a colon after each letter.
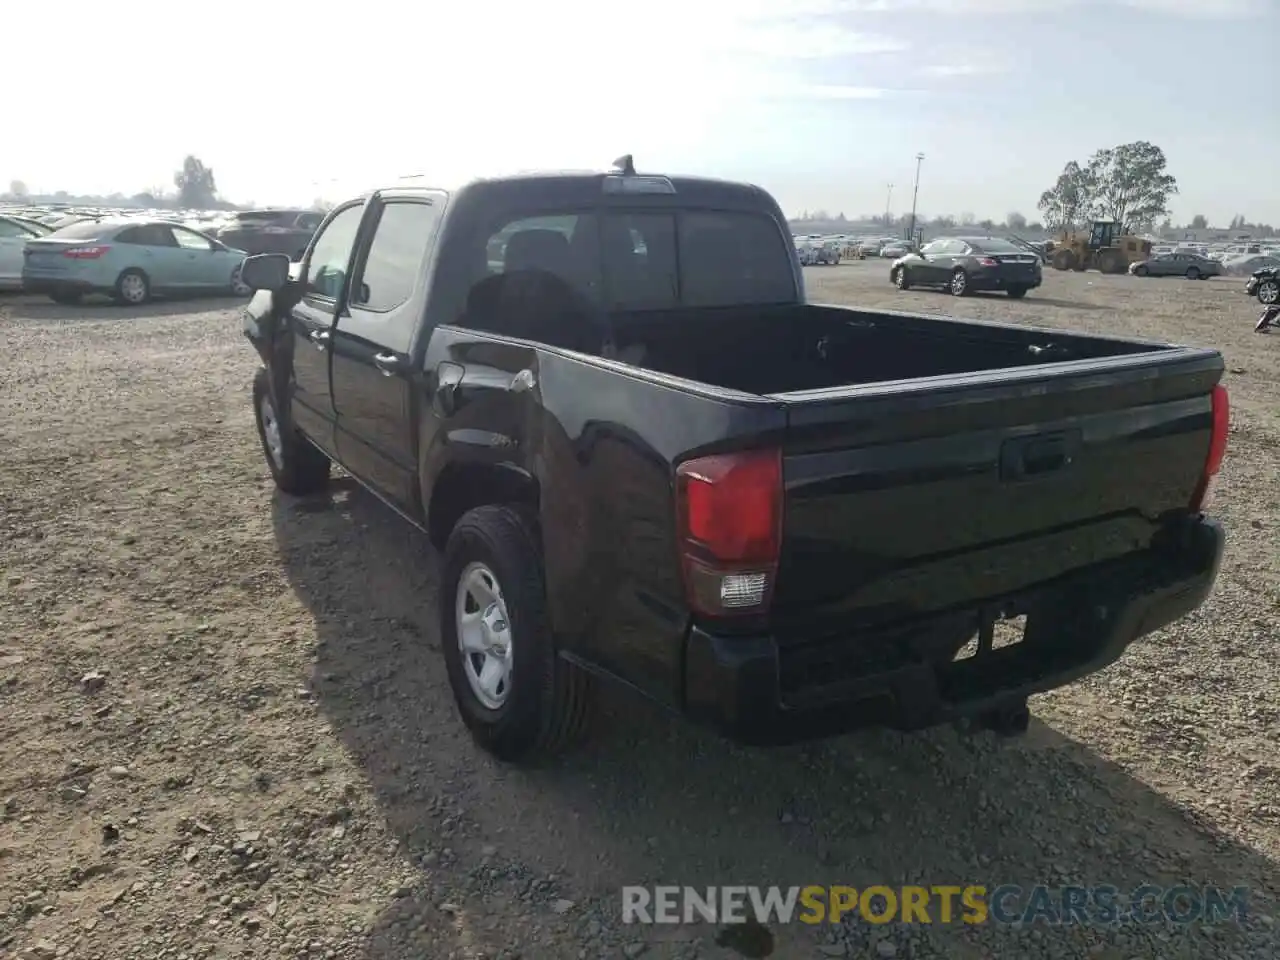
x: 912, y: 497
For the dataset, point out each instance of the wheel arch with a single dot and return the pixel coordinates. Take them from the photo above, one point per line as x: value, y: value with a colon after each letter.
x: 460, y: 487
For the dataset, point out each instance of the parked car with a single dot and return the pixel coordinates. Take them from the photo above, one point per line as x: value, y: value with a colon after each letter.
x: 130, y: 260
x: 779, y: 518
x: 899, y: 248
x: 270, y: 231
x: 1193, y: 266
x: 41, y: 229
x: 826, y: 252
x: 14, y: 234
x: 964, y: 265
x: 1249, y: 264
x: 1265, y: 285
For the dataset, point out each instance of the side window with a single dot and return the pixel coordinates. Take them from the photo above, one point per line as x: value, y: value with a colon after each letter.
x: 930, y: 248
x: 496, y: 247
x: 331, y: 254
x: 191, y: 241
x: 405, y: 230
x: 130, y: 235
x: 14, y: 232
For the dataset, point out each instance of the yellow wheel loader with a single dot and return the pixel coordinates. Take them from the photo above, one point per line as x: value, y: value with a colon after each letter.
x: 1104, y: 248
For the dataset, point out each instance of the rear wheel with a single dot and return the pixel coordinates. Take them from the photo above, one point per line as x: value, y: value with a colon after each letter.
x: 1193, y: 273
x: 133, y: 288
x: 297, y: 465
x: 1017, y: 293
x: 517, y: 697
x: 959, y: 285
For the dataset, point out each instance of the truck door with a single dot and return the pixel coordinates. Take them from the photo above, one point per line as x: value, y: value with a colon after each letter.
x: 373, y: 375
x: 324, y: 276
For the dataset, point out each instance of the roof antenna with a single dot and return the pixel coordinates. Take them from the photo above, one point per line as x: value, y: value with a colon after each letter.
x: 626, y: 165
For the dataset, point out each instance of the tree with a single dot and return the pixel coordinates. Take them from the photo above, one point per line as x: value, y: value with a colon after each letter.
x: 967, y: 219
x: 1198, y: 222
x: 196, y: 187
x: 944, y: 222
x: 987, y: 225
x: 1067, y: 202
x: 18, y: 190
x: 1129, y: 184
x: 1016, y: 221
x: 1237, y: 222
x: 1035, y: 226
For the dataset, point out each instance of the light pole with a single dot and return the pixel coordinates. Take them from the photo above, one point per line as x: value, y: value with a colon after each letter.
x: 915, y: 193
x: 888, y: 206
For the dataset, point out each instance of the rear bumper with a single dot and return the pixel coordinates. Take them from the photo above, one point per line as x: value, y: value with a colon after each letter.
x: 755, y: 691
x: 995, y: 281
x: 50, y: 285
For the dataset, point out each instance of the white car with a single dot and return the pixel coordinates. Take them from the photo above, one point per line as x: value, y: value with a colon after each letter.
x: 13, y: 241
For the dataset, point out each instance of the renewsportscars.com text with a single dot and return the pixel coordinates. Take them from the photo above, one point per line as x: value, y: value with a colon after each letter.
x: 942, y: 904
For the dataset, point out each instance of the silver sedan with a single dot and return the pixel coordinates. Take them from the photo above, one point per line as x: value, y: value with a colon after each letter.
x: 1181, y: 264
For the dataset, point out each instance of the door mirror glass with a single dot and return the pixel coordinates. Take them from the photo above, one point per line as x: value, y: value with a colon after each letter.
x: 266, y: 271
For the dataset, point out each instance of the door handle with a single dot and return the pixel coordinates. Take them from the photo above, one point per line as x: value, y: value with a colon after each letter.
x: 523, y: 381
x: 320, y: 338
x: 390, y: 363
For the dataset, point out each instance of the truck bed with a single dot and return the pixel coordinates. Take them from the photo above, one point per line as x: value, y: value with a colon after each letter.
x: 807, y: 347
x: 936, y: 465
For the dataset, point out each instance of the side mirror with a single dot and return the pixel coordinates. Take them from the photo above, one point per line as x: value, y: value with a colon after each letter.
x: 265, y: 271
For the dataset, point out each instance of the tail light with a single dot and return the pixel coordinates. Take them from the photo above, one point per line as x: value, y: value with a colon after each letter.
x: 85, y: 253
x: 730, y: 530
x: 1217, y: 450
x: 988, y: 262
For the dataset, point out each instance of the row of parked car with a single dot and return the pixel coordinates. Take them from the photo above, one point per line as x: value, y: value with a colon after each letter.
x: 132, y: 257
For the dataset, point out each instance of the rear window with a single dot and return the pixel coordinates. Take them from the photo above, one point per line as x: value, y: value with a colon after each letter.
x: 998, y: 246
x: 84, y: 230
x: 652, y: 259
x: 261, y: 216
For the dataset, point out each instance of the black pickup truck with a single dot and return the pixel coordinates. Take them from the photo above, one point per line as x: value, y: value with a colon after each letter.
x: 647, y: 458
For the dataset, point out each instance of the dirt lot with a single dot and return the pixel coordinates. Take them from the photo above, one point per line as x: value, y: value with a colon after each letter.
x: 226, y: 729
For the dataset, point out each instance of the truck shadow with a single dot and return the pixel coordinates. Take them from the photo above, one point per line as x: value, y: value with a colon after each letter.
x: 650, y: 799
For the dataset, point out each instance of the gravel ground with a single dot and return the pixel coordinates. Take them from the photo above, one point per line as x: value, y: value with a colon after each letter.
x: 227, y: 730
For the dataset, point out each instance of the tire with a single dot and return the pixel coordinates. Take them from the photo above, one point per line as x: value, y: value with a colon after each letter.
x: 1268, y: 292
x: 900, y: 279
x: 133, y: 288
x: 1140, y: 271
x: 541, y: 704
x: 1017, y: 293
x: 1063, y: 260
x: 297, y: 465
x: 959, y: 284
x: 69, y: 299
x: 238, y: 287
x: 1193, y: 273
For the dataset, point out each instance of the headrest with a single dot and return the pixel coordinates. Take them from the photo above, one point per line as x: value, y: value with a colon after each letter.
x: 538, y: 250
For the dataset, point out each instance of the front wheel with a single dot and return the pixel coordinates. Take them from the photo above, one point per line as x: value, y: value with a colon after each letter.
x: 238, y: 286
x: 1193, y: 273
x: 1017, y: 293
x: 1140, y: 271
x: 959, y: 285
x: 517, y: 697
x: 900, y: 279
x: 297, y: 465
x: 1269, y: 292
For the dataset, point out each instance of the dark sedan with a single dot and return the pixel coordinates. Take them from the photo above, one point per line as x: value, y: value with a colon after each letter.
x: 1265, y: 285
x: 964, y: 265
